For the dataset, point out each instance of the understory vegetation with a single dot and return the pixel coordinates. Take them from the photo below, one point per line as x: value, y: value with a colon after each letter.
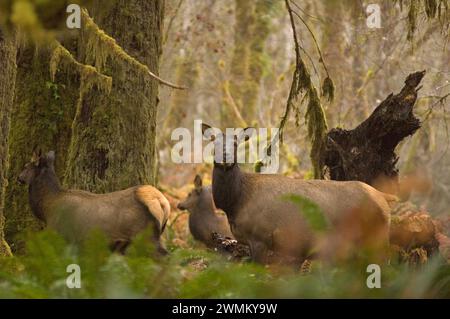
x: 198, y: 273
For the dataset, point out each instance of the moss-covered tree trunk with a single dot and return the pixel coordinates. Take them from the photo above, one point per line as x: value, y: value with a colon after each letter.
x: 8, y: 51
x: 258, y: 59
x: 41, y: 118
x: 113, y: 140
x: 252, y: 27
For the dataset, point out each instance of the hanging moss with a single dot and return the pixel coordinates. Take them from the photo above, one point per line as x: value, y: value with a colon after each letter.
x: 412, y: 19
x: 315, y: 115
x: 328, y: 89
x: 434, y: 9
x: 90, y: 77
x: 61, y: 58
x: 100, y: 47
x: 317, y: 129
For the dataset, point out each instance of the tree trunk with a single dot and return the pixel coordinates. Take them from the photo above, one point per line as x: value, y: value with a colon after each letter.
x: 41, y: 119
x: 367, y: 153
x: 332, y: 44
x: 252, y: 28
x: 113, y: 137
x: 8, y: 51
x: 185, y: 72
x: 260, y: 32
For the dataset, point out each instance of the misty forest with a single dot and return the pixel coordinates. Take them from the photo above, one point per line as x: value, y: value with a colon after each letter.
x: 348, y: 196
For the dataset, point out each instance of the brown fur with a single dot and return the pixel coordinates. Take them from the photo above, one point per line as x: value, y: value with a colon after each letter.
x: 156, y: 203
x: 358, y: 215
x: 74, y: 214
x: 203, y: 219
x: 266, y: 221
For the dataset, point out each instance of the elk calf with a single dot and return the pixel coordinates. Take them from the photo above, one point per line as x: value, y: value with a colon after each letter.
x: 203, y: 220
x: 74, y: 213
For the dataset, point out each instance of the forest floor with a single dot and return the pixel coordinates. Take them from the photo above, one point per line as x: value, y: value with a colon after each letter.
x: 190, y: 270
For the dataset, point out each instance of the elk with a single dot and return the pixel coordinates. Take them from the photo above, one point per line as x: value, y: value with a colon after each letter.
x: 74, y: 214
x: 260, y: 216
x: 203, y: 219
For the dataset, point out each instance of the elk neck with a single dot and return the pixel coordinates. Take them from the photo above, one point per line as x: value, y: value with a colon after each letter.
x: 228, y: 189
x: 41, y: 190
x: 205, y: 206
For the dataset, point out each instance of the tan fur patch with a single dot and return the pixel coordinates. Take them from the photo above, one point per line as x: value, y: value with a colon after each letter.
x: 157, y: 204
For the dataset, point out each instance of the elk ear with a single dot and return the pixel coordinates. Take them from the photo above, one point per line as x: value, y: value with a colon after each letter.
x: 35, y: 157
x: 245, y: 134
x: 198, y: 183
x: 208, y: 132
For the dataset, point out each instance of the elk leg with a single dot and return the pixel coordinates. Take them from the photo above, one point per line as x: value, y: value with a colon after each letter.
x: 156, y: 239
x: 258, y: 251
x: 120, y: 246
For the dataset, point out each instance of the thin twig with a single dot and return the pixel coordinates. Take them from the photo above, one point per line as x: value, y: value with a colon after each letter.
x: 169, y: 25
x: 322, y: 61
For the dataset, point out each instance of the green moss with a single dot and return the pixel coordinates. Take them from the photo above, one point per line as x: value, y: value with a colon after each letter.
x: 42, y: 118
x: 90, y: 77
x: 113, y: 135
x: 315, y: 115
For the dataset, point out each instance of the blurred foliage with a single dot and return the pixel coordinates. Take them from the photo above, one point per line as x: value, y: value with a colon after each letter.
x: 310, y: 211
x: 193, y: 273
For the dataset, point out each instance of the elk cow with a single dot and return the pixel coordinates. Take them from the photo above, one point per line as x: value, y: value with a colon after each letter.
x: 120, y: 215
x: 261, y: 217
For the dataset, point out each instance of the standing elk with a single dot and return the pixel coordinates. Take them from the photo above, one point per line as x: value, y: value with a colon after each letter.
x: 74, y: 214
x: 261, y: 217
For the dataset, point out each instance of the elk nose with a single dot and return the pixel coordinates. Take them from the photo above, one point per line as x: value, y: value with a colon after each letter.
x: 180, y: 206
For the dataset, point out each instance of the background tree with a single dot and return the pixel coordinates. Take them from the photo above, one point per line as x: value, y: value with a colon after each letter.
x: 252, y: 27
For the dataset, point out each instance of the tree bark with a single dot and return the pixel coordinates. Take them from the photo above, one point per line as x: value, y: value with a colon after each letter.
x: 41, y: 119
x: 8, y: 51
x: 367, y: 153
x: 113, y: 137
